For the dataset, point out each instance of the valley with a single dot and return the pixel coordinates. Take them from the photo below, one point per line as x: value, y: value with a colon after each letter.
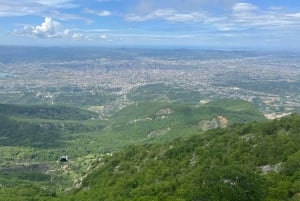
x: 113, y: 113
x: 107, y: 80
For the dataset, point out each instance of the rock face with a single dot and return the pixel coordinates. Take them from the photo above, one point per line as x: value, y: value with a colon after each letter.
x: 223, y: 121
x: 164, y: 113
x: 217, y: 122
x: 271, y: 168
x: 158, y: 132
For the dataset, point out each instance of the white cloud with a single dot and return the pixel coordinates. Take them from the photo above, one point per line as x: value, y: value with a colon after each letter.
x: 54, y: 29
x: 294, y: 15
x: 237, y: 19
x: 102, y: 13
x: 250, y: 16
x: 77, y: 36
x: 11, y: 8
x: 243, y: 16
x: 170, y: 15
x: 104, y: 37
x: 188, y: 5
x: 48, y: 29
x: 244, y: 7
x: 108, y: 1
x: 37, y: 8
x: 57, y: 3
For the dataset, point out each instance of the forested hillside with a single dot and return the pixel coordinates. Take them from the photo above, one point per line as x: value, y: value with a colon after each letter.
x: 159, y: 151
x: 256, y: 161
x: 58, y: 112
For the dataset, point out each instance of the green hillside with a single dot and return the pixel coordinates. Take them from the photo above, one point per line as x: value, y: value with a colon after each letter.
x: 34, y: 137
x: 16, y: 133
x: 162, y: 121
x: 256, y: 161
x: 246, y: 110
x: 78, y: 132
x: 58, y: 112
x: 41, y: 126
x: 154, y: 92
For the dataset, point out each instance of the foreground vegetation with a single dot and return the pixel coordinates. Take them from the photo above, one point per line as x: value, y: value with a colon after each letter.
x: 256, y: 161
x: 160, y: 152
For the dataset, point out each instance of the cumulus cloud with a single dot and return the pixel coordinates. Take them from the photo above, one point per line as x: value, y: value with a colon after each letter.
x: 48, y: 29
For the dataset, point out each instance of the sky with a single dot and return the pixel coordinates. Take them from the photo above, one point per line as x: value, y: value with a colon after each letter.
x: 260, y: 24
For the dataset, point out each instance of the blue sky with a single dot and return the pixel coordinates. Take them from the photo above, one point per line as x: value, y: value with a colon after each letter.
x: 184, y: 23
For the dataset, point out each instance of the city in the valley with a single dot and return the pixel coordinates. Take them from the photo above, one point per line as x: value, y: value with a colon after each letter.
x: 106, y: 80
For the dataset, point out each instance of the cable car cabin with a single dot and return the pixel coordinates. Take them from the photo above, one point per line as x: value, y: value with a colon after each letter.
x: 63, y: 159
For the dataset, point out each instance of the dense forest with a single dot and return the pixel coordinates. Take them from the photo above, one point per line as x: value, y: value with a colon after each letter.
x: 256, y: 161
x: 253, y: 161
